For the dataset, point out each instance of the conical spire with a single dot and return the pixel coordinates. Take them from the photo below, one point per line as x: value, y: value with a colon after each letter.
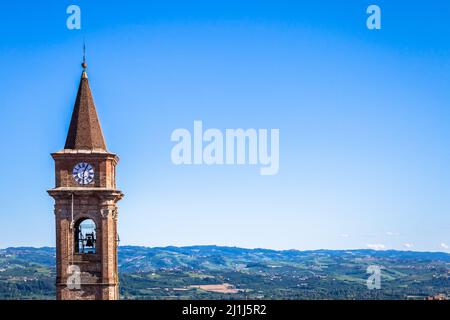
x: 84, y: 130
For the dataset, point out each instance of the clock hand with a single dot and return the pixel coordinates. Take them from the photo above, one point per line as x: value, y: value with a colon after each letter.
x: 84, y: 174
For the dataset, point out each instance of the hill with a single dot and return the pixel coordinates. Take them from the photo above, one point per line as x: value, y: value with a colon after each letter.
x: 213, y: 272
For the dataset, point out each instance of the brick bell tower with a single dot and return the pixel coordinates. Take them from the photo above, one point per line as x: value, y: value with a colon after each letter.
x: 86, y: 207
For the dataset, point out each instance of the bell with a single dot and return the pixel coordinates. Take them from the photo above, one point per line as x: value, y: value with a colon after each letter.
x: 89, y: 240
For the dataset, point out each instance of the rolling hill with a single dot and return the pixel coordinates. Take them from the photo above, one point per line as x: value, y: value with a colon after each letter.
x: 213, y: 272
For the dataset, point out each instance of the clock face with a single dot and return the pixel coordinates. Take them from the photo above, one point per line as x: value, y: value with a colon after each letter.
x: 83, y: 173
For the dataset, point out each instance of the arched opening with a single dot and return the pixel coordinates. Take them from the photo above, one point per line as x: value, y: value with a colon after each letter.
x: 85, y: 236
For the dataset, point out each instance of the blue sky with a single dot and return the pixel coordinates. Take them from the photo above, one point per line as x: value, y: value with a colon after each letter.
x: 363, y: 117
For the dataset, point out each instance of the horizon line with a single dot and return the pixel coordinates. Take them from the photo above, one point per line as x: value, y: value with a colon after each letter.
x: 255, y: 248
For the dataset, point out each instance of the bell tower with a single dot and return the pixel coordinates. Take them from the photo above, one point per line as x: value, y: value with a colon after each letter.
x: 85, y: 209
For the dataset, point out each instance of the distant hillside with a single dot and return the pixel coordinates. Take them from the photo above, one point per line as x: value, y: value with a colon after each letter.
x: 213, y: 272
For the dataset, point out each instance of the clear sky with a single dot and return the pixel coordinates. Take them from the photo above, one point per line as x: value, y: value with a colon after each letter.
x: 364, y: 118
